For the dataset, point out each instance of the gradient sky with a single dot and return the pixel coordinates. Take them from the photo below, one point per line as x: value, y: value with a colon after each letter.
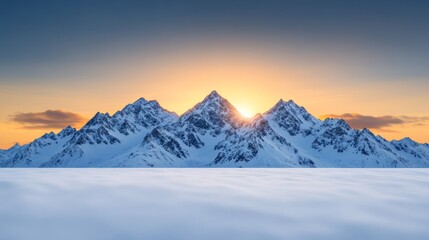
x: 364, y: 61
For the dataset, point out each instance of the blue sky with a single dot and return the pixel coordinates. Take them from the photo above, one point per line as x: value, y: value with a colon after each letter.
x: 56, y: 32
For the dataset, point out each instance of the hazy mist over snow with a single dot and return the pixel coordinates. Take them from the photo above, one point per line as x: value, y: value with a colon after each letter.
x: 214, y: 204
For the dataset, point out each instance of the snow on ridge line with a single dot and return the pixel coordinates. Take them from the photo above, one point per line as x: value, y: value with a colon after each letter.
x: 214, y: 134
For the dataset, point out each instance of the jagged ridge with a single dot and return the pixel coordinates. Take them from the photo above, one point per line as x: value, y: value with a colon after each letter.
x: 214, y: 134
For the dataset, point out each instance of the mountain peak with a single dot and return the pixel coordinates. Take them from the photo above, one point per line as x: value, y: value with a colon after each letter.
x: 409, y: 141
x: 101, y: 115
x: 68, y: 128
x: 212, y: 101
x: 15, y: 146
x: 289, y: 107
x: 257, y: 116
x: 132, y: 106
x: 140, y: 100
x: 213, y: 110
x: 67, y: 131
x: 99, y: 119
x: 291, y: 117
x: 337, y: 122
x: 154, y: 103
x: 213, y: 96
x: 290, y: 103
x: 256, y: 121
x: 367, y: 132
x: 138, y: 105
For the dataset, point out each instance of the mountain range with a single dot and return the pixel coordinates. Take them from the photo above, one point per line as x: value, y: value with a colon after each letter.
x: 214, y: 134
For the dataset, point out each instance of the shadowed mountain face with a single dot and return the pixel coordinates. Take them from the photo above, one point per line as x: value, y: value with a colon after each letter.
x: 214, y: 134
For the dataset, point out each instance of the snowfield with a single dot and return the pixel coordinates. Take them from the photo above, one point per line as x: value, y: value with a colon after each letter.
x: 214, y: 204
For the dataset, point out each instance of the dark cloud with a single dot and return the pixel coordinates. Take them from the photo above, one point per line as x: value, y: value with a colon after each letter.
x: 364, y: 121
x: 49, y: 119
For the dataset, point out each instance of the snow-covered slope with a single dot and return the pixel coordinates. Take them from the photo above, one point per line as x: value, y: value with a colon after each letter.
x: 191, y: 140
x: 102, y: 138
x: 214, y: 134
x: 40, y: 150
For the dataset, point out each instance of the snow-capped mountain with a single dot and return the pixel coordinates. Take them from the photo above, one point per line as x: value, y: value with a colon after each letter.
x: 214, y: 134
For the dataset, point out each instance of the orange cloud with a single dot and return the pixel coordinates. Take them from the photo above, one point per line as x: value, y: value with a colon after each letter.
x: 49, y: 119
x: 365, y: 121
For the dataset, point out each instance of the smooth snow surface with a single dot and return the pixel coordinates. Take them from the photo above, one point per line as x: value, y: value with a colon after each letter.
x: 214, y: 204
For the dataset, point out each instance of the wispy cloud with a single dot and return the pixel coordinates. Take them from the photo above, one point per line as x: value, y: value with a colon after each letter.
x: 377, y: 122
x: 49, y: 119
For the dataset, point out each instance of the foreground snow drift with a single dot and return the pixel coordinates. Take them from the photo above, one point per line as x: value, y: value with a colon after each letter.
x: 214, y: 204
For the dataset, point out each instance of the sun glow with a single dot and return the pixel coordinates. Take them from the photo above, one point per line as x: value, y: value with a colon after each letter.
x: 245, y: 112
